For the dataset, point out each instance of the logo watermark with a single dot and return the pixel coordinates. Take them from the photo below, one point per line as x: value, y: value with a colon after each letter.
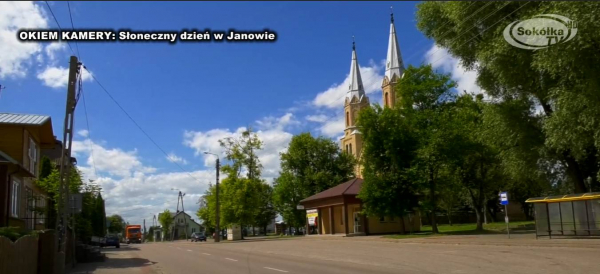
x: 540, y: 32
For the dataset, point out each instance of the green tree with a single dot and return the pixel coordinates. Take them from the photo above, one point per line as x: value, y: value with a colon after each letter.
x: 425, y: 100
x: 239, y: 196
x: 166, y: 220
x: 206, y: 212
x: 309, y: 166
x: 475, y: 163
x: 265, y: 213
x: 561, y: 79
x: 389, y: 147
x: 117, y: 224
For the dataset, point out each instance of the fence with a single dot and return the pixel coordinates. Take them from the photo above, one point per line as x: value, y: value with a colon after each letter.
x: 31, y: 255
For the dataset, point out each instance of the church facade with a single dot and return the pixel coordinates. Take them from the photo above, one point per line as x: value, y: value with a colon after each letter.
x: 338, y: 209
x: 356, y: 98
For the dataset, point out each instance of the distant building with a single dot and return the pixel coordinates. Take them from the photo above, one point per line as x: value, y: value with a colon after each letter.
x: 177, y: 230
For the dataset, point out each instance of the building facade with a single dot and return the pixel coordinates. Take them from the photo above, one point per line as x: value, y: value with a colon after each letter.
x: 356, y: 99
x: 22, y: 203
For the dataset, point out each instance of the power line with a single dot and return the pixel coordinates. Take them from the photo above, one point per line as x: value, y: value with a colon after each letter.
x: 136, y: 124
x: 73, y: 28
x: 89, y: 136
x: 59, y: 28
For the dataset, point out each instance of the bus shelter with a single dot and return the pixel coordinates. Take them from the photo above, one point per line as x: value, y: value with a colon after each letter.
x: 567, y: 215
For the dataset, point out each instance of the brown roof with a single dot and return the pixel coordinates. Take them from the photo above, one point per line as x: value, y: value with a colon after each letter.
x: 351, y: 187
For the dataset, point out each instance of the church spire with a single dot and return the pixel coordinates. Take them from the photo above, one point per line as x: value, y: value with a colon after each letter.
x: 356, y: 85
x: 394, y: 64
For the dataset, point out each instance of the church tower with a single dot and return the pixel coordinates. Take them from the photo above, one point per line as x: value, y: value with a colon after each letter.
x: 394, y: 68
x: 356, y: 99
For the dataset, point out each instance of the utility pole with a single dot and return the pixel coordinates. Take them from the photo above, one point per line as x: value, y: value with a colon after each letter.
x: 180, y: 198
x: 143, y: 234
x: 65, y: 166
x: 217, y: 221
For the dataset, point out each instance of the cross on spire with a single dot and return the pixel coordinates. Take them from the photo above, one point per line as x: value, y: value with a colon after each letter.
x: 392, y: 13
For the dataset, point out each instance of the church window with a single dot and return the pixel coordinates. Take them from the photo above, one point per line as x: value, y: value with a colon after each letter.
x: 387, y: 102
x: 347, y: 118
x: 350, y: 148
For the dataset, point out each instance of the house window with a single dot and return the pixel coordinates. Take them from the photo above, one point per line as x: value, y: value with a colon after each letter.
x: 16, y: 189
x: 193, y: 230
x: 32, y: 156
x: 382, y: 219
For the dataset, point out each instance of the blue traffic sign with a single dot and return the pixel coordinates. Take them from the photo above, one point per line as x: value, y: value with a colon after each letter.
x: 503, y: 198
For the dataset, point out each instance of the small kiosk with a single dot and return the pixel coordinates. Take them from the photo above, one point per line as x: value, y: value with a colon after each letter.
x: 567, y: 215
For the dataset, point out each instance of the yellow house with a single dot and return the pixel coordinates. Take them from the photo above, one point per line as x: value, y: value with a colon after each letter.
x: 338, y: 211
x: 22, y: 136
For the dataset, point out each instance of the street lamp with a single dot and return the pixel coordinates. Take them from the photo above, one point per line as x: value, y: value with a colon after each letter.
x: 217, y: 229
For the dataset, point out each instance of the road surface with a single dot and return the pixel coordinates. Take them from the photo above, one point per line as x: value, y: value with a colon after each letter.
x: 347, y: 255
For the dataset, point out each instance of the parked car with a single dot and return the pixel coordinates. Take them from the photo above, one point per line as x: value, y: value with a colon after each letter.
x: 198, y: 237
x: 111, y: 241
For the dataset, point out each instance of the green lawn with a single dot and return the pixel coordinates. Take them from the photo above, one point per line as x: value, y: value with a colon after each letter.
x: 466, y: 229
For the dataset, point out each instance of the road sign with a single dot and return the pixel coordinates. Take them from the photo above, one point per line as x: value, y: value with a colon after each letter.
x: 299, y: 207
x: 503, y: 198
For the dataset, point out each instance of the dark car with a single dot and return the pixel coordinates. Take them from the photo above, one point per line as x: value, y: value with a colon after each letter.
x: 112, y: 241
x: 198, y: 237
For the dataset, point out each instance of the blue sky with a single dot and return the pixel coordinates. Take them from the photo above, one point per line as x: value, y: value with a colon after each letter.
x: 188, y: 95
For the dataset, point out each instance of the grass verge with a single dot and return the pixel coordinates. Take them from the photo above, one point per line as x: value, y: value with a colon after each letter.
x: 465, y: 229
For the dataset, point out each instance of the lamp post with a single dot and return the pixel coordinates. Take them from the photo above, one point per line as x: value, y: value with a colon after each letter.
x: 217, y: 228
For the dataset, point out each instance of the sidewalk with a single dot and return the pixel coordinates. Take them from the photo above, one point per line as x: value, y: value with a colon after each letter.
x: 520, y: 239
x: 123, y: 260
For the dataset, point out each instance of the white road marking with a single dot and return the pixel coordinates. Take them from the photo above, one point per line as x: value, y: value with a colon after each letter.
x: 275, y: 269
x: 189, y: 250
x: 230, y: 259
x: 206, y: 254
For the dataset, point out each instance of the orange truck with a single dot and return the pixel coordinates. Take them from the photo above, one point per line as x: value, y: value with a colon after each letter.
x: 133, y: 234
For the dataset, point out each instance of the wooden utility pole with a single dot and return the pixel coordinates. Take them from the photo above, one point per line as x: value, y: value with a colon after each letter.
x: 65, y: 166
x: 218, y: 220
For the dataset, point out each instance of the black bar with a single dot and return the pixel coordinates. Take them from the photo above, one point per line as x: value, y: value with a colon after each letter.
x: 562, y: 230
x: 574, y: 225
x: 548, y: 218
x: 587, y: 217
x: 535, y: 221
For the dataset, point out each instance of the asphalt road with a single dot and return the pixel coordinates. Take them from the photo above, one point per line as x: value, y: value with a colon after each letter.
x: 344, y: 255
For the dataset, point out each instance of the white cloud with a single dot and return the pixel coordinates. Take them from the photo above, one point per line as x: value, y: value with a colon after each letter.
x: 334, y: 96
x: 279, y: 123
x: 317, y: 118
x: 134, y: 190
x: 83, y: 133
x: 333, y: 127
x: 113, y: 161
x: 57, y: 77
x: 16, y: 55
x: 54, y: 48
x: 440, y: 58
x: 271, y: 132
x: 176, y: 159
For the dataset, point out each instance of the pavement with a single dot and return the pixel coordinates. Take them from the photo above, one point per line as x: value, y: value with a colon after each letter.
x: 371, y: 254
